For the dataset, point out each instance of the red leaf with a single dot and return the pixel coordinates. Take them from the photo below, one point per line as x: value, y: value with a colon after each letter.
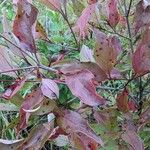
x: 82, y: 87
x: 50, y: 88
x: 84, y: 19
x: 72, y: 122
x: 113, y: 13
x: 122, y: 101
x: 14, y: 88
x: 23, y: 24
x: 142, y: 16
x: 31, y: 100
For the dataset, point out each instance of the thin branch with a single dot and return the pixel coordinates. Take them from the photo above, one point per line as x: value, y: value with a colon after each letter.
x: 127, y: 12
x: 103, y: 29
x: 17, y: 47
x: 66, y: 19
x: 17, y: 69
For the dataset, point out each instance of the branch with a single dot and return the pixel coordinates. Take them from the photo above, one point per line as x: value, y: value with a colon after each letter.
x: 127, y: 12
x: 17, y: 69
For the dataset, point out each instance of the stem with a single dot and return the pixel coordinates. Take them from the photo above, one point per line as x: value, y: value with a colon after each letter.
x: 127, y: 12
x: 17, y: 69
x: 66, y: 19
x: 17, y: 47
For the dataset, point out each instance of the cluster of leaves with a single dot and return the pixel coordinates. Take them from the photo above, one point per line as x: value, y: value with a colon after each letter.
x: 80, y: 80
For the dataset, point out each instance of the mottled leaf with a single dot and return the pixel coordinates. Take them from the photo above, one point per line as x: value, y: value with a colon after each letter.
x: 113, y: 19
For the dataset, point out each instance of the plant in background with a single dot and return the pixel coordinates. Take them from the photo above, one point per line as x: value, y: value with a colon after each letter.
x: 75, y: 74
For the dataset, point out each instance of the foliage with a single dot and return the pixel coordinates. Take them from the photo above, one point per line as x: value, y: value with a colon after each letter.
x: 74, y: 74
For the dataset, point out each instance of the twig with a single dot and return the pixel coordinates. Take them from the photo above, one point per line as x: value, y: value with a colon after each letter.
x: 103, y: 29
x: 17, y: 69
x: 127, y: 12
x: 17, y: 47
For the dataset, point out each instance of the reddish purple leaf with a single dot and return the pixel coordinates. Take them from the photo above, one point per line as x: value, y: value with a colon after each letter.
x: 37, y: 137
x: 50, y: 88
x: 23, y: 24
x: 14, y: 88
x: 133, y: 140
x: 74, y: 67
x: 53, y: 4
x: 141, y: 60
x: 82, y: 87
x: 72, y: 122
x: 113, y: 13
x: 83, y: 142
x: 142, y: 16
x: 31, y: 100
x: 84, y: 19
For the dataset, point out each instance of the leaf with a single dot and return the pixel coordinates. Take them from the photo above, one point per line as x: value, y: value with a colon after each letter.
x: 11, y: 37
x: 142, y: 16
x: 6, y: 63
x: 141, y: 57
x: 113, y: 19
x: 37, y: 137
x: 23, y: 24
x: 9, y: 144
x: 83, y: 142
x: 86, y: 54
x: 50, y: 89
x: 84, y: 19
x: 146, y: 3
x: 14, y: 88
x: 8, y: 107
x: 122, y: 101
x: 82, y: 87
x: 144, y: 118
x: 40, y: 32
x: 77, y: 7
x: 52, y: 4
x: 31, y: 100
x: 74, y: 67
x: 105, y: 53
x: 133, y: 139
x: 72, y: 122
